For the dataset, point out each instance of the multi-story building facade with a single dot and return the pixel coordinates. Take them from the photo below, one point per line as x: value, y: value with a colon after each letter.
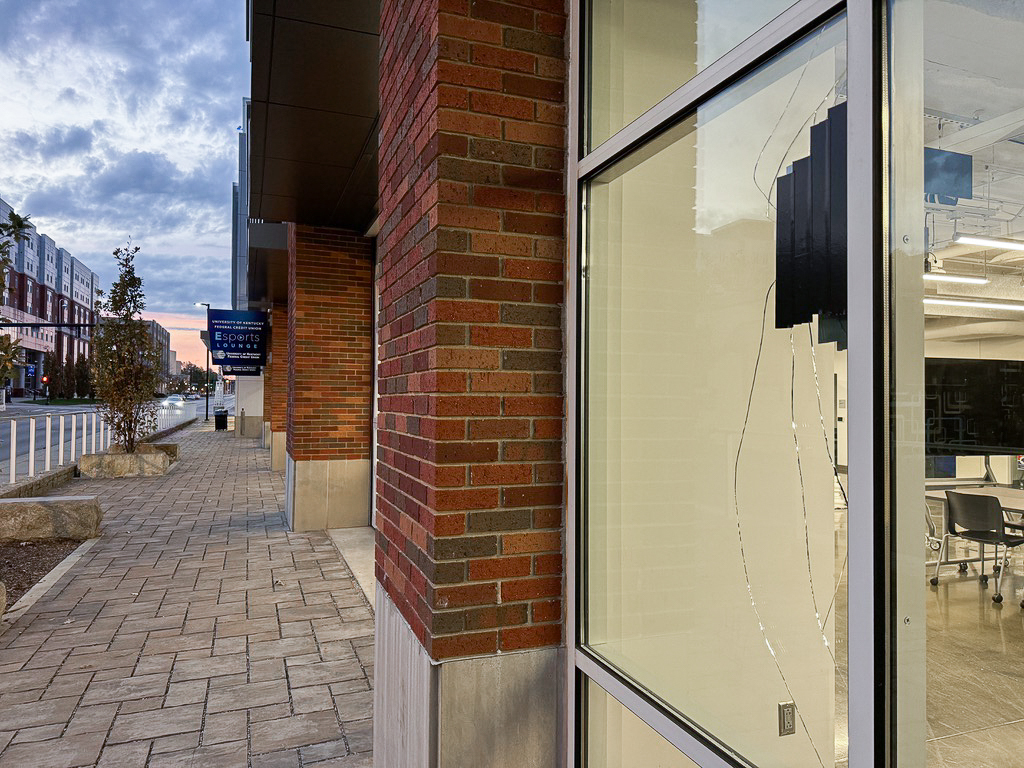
x: 46, y: 284
x: 240, y: 220
x: 162, y: 342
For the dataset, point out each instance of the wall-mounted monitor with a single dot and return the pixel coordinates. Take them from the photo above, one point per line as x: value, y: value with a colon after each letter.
x: 948, y: 176
x: 973, y: 407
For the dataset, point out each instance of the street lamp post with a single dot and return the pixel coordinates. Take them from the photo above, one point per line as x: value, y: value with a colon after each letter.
x: 59, y: 352
x: 206, y: 384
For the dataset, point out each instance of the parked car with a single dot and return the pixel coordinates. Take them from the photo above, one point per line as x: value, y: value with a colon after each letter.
x: 173, y: 401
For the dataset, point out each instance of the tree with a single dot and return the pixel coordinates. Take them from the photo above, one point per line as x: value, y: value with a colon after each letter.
x: 125, y: 364
x: 53, y: 370
x: 194, y: 374
x: 10, y: 356
x: 67, y: 375
x: 12, y: 232
x: 176, y: 385
x: 83, y: 379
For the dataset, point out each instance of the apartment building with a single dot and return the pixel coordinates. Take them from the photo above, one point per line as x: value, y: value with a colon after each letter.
x: 46, y: 284
x: 161, y: 338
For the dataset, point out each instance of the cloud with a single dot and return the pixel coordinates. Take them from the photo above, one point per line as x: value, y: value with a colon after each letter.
x: 119, y: 119
x: 57, y: 141
x: 70, y: 96
x: 134, y: 173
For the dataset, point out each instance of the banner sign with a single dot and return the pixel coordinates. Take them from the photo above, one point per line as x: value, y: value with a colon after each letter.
x: 238, y: 337
x: 240, y: 370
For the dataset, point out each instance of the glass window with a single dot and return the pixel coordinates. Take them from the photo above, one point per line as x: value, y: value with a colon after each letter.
x: 616, y: 738
x: 714, y: 529
x: 642, y: 50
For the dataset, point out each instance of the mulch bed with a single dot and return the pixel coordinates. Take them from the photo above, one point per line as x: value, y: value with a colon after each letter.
x: 22, y: 564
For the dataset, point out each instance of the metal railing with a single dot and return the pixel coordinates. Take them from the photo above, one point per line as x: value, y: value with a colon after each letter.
x: 167, y: 417
x: 39, y: 443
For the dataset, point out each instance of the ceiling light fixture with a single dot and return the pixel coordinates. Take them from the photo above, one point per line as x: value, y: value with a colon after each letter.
x: 975, y: 304
x: 945, y: 277
x: 990, y: 242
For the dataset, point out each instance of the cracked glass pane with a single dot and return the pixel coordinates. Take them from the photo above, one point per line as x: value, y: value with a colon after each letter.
x: 715, y: 434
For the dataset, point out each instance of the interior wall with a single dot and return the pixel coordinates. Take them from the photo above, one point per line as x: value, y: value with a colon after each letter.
x: 616, y: 738
x: 643, y: 50
x: 977, y: 349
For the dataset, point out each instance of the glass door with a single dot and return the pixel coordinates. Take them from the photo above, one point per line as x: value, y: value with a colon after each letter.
x: 956, y: 201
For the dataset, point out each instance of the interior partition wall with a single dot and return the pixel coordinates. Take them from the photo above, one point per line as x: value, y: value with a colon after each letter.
x: 728, y: 547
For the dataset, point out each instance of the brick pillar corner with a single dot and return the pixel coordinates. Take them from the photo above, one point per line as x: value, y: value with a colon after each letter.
x: 330, y: 377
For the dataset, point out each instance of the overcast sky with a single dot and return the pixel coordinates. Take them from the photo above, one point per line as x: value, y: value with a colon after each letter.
x: 118, y: 118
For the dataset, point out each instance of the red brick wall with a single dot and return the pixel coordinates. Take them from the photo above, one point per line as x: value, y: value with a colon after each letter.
x: 275, y: 374
x: 470, y: 267
x: 330, y: 344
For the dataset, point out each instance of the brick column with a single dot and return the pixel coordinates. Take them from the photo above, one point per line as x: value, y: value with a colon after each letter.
x: 470, y: 267
x: 275, y: 388
x: 330, y: 378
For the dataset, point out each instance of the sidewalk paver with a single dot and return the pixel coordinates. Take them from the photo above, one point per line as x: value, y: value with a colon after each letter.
x: 196, y: 632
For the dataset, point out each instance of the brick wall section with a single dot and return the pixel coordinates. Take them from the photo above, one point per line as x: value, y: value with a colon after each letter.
x: 330, y: 344
x: 470, y: 276
x: 275, y: 374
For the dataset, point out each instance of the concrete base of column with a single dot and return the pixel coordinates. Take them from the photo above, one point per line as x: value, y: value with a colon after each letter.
x: 502, y: 711
x: 321, y: 494
x: 278, y: 449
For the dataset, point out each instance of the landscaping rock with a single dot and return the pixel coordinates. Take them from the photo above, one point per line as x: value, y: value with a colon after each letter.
x: 95, y: 465
x: 3, y: 598
x: 50, y: 517
x: 171, y: 449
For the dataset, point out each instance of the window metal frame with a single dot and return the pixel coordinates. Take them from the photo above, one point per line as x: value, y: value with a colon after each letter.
x: 870, y: 554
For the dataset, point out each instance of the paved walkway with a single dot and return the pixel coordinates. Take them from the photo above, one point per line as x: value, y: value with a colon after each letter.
x: 196, y: 632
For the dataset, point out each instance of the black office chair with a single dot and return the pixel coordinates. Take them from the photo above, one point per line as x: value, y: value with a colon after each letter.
x: 979, y: 518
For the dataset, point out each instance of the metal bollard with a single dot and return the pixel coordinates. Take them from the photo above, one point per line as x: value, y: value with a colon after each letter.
x: 31, y: 446
x: 46, y: 463
x: 14, y: 449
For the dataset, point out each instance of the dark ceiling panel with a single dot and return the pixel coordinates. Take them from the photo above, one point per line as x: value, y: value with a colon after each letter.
x: 314, y: 116
x: 257, y: 127
x: 276, y: 208
x: 303, y: 181
x: 324, y: 68
x: 313, y: 136
x: 260, y: 37
x: 255, y: 184
x: 357, y: 15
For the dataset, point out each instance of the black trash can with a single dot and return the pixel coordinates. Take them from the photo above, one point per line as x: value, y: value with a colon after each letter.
x: 220, y: 419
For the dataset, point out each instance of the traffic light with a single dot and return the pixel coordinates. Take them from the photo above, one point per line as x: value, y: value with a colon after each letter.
x: 46, y: 379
